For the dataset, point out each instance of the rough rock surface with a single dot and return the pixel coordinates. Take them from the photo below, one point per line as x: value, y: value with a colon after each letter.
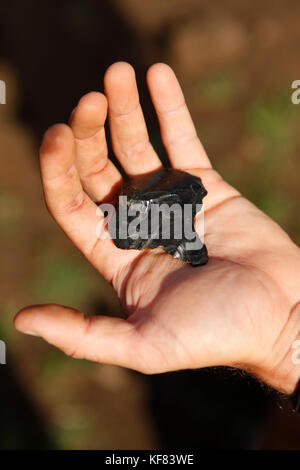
x: 177, y: 196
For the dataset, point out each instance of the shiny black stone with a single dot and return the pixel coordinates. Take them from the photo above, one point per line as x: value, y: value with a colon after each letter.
x: 164, y: 188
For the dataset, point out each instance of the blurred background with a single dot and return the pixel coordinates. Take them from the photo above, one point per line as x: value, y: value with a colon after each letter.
x: 236, y: 62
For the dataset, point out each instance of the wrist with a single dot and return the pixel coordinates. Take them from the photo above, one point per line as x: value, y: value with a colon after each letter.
x: 281, y: 370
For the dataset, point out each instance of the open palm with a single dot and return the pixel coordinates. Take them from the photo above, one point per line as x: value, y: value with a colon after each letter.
x: 233, y: 311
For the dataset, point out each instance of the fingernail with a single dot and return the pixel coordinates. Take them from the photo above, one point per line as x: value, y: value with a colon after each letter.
x: 31, y: 333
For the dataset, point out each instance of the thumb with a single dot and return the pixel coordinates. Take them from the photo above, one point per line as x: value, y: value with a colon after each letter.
x: 103, y: 339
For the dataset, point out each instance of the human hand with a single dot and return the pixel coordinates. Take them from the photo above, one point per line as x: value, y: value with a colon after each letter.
x: 241, y: 309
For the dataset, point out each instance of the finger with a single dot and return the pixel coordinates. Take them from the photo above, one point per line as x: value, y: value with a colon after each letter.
x: 98, y: 174
x: 177, y: 129
x: 127, y: 124
x: 74, y: 211
x: 97, y: 338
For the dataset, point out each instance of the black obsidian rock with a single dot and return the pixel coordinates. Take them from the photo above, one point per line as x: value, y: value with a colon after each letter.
x: 158, y: 209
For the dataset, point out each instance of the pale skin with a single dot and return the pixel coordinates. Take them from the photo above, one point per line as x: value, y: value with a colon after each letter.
x: 242, y: 309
